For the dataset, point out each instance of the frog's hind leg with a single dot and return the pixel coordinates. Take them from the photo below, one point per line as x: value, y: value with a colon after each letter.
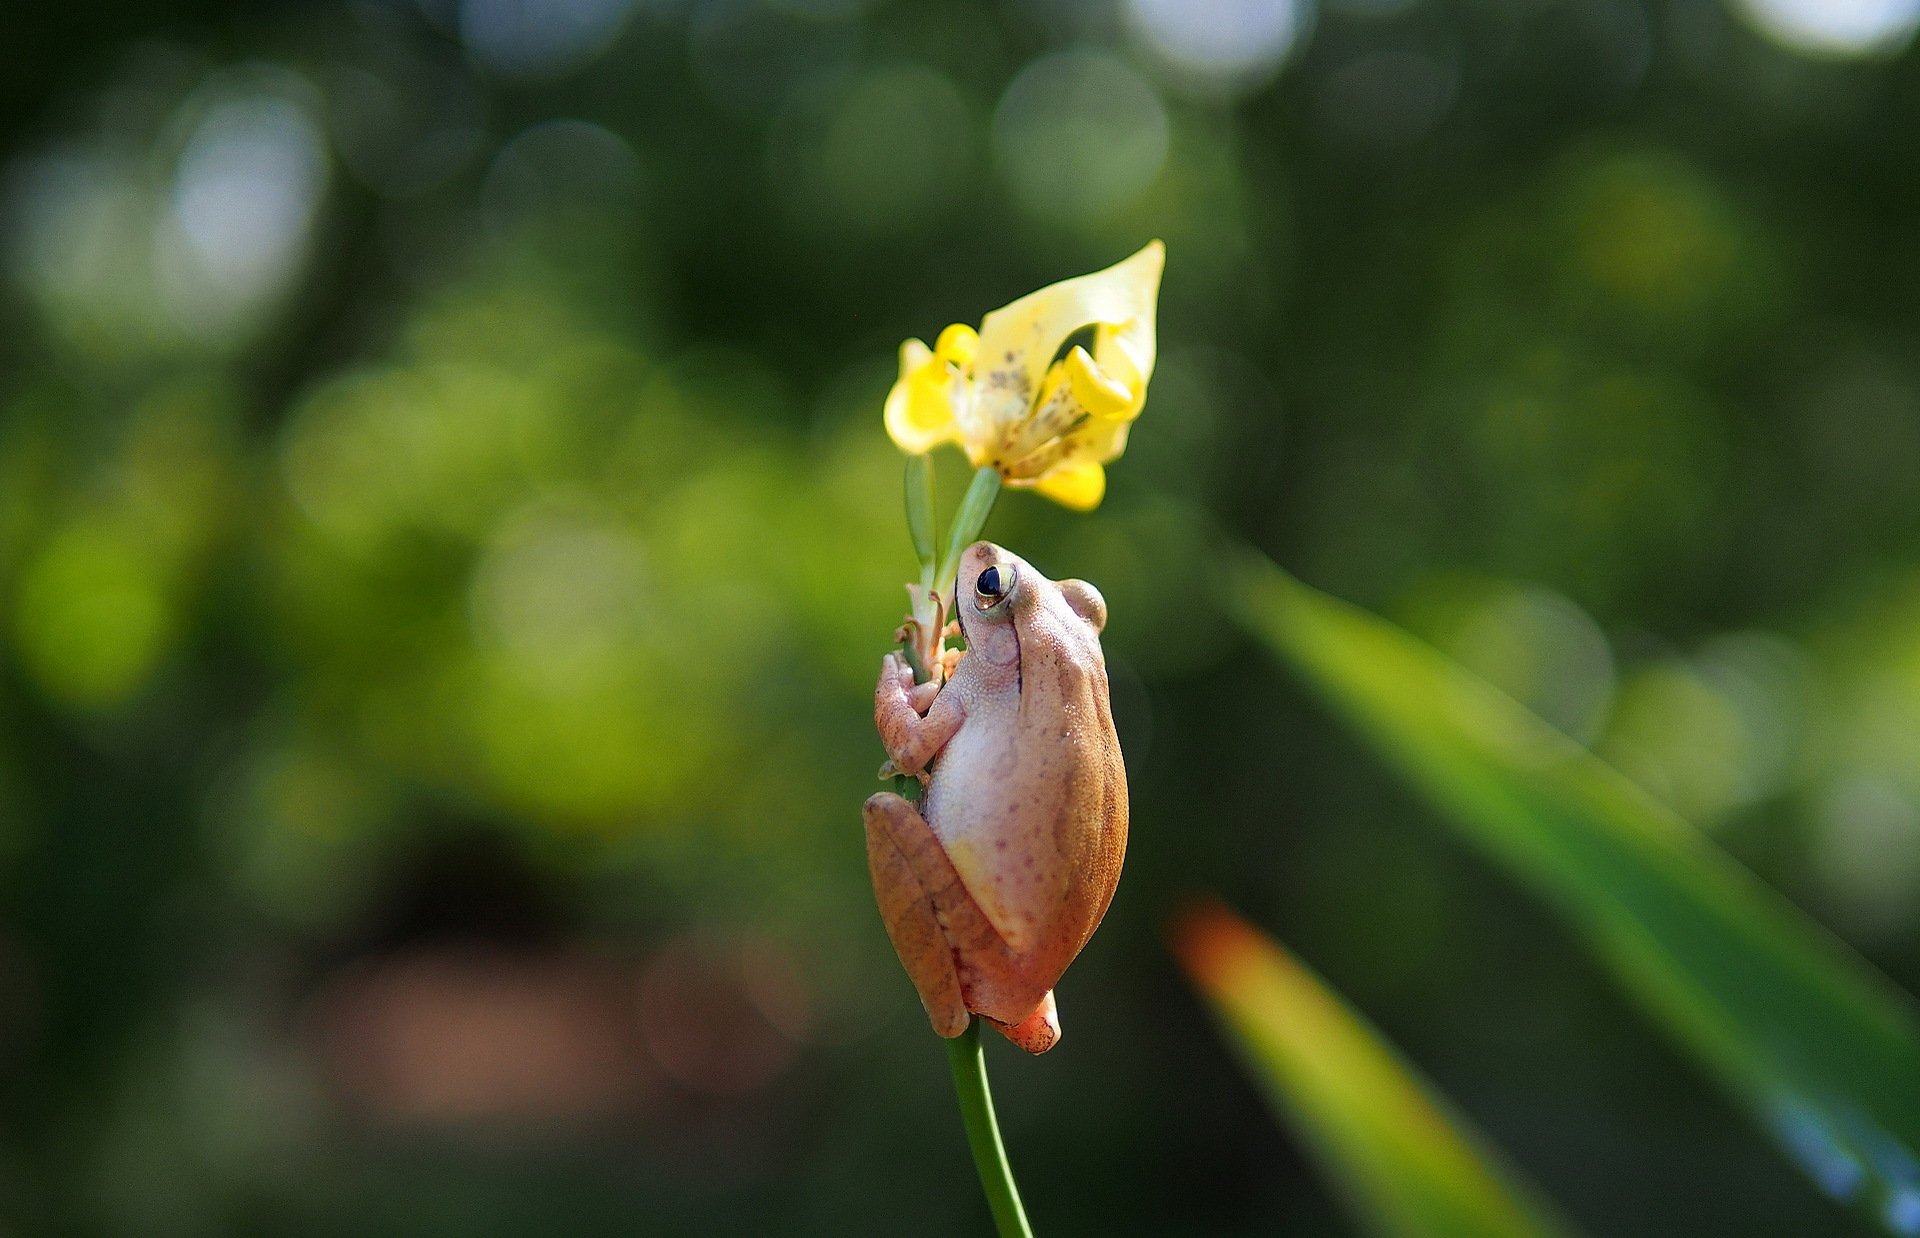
x: 907, y: 907
x: 1036, y: 1033
x: 946, y: 942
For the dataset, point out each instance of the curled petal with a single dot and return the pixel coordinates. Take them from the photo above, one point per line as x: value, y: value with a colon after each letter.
x: 1018, y: 343
x: 920, y: 408
x: 1100, y: 395
x: 1124, y: 350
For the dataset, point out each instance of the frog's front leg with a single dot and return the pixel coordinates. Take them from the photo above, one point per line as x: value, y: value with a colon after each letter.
x: 911, y: 740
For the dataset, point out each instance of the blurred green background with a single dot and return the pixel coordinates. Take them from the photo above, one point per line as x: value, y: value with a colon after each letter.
x: 447, y: 540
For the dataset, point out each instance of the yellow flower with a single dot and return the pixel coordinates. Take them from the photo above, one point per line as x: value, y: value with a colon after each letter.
x: 1048, y: 424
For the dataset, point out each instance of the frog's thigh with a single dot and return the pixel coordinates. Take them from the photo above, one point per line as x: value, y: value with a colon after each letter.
x: 967, y: 929
x: 907, y: 908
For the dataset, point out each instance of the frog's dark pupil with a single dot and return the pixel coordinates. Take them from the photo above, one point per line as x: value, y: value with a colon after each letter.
x: 990, y: 582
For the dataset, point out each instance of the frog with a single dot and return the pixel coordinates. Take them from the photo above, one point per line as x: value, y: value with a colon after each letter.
x: 992, y: 884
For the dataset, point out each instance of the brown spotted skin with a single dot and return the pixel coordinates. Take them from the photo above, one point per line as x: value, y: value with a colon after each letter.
x: 993, y: 891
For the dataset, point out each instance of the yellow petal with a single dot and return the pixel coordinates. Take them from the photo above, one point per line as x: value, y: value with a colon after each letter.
x: 1018, y: 342
x: 913, y: 355
x: 1125, y: 350
x: 1054, y: 413
x: 1098, y: 394
x: 1078, y: 486
x: 1094, y: 440
x: 1099, y: 441
x: 919, y: 412
x: 957, y: 344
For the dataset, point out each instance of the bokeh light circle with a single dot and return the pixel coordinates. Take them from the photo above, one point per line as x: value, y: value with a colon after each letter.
x: 539, y: 38
x: 1835, y: 27
x: 1079, y: 135
x: 245, y: 196
x: 880, y: 153
x: 1228, y: 44
x: 559, y: 166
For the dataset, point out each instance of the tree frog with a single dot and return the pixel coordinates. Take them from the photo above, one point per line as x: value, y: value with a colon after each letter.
x: 993, y: 884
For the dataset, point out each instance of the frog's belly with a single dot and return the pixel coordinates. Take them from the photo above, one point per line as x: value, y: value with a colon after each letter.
x: 971, y: 785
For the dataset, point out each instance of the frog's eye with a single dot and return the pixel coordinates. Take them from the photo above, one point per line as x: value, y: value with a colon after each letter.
x: 993, y: 584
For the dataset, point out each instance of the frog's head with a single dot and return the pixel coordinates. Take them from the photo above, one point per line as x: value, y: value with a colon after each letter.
x: 1000, y: 598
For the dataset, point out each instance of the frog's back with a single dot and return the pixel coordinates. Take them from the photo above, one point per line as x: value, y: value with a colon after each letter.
x: 1089, y: 788
x: 1033, y: 792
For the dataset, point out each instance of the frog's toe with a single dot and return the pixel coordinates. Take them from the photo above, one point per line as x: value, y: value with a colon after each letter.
x: 1036, y: 1033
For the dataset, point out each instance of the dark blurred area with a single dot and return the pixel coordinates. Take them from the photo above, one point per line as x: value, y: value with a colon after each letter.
x: 447, y: 540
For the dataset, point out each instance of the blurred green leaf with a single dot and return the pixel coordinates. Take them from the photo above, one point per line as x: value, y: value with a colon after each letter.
x: 1820, y: 1048
x: 1404, y: 1162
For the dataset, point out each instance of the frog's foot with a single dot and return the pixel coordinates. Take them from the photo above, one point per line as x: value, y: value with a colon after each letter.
x: 1036, y: 1033
x: 908, y: 909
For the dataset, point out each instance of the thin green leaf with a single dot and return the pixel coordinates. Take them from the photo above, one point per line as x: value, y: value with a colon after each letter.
x: 1820, y: 1048
x: 919, y: 496
x: 1406, y: 1165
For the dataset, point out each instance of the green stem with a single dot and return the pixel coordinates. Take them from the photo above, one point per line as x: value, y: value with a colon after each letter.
x: 983, y: 1133
x: 971, y: 517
